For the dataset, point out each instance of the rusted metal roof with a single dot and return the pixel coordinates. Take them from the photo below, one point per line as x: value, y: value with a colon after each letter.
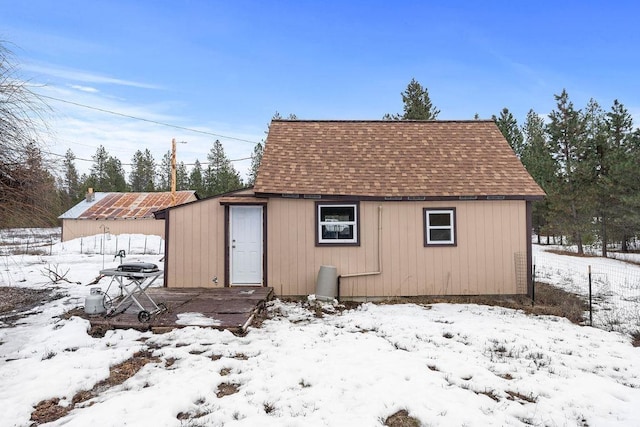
x: 126, y: 205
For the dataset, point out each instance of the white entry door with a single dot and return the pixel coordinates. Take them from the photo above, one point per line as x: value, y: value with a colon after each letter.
x: 245, y: 240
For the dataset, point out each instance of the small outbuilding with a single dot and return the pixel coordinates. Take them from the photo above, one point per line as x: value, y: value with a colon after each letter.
x: 119, y: 213
x: 398, y: 208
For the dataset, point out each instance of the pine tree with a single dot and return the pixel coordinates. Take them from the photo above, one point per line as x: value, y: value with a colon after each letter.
x: 624, y: 174
x: 98, y: 175
x: 115, y: 176
x: 539, y: 162
x: 182, y: 177
x: 510, y: 130
x: 164, y: 172
x: 417, y: 104
x: 256, y: 159
x: 220, y: 175
x: 196, y: 180
x: 566, y: 132
x: 594, y: 169
x: 142, y: 175
x: 71, y: 181
x: 136, y: 177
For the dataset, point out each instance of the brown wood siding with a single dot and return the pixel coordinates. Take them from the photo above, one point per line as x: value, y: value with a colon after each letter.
x: 196, y: 245
x: 489, y: 234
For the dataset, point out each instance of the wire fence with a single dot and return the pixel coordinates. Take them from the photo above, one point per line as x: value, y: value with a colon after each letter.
x: 611, y: 287
x: 42, y: 241
x: 111, y: 245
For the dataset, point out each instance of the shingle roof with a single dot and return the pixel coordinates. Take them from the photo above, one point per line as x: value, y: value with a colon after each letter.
x: 126, y: 205
x: 391, y: 159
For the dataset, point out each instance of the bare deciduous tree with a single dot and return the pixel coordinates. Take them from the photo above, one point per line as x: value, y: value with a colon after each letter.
x: 27, y: 189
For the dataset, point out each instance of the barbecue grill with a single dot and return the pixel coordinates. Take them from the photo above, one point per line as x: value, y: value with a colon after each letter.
x: 134, y: 279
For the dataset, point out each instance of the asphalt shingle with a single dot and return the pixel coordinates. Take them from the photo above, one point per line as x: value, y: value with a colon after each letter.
x: 391, y: 159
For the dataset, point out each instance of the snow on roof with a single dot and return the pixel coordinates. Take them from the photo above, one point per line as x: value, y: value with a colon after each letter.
x: 83, y: 206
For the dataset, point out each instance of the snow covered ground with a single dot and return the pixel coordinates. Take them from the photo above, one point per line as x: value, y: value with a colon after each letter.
x: 615, y: 284
x: 446, y: 364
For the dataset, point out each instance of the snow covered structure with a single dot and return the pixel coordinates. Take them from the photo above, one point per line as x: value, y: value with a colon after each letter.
x: 400, y: 208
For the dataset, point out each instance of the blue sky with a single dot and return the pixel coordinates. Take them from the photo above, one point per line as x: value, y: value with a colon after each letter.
x: 226, y: 67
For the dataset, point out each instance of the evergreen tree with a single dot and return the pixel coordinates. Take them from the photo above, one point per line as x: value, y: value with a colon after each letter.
x: 72, y: 190
x: 220, y: 175
x: 98, y: 175
x: 539, y: 162
x: 42, y: 190
x: 164, y: 172
x: 182, y: 177
x: 196, y: 180
x: 256, y: 158
x: 623, y: 174
x: 566, y: 131
x: 510, y: 130
x: 417, y: 104
x: 142, y: 174
x: 115, y: 175
x: 593, y: 171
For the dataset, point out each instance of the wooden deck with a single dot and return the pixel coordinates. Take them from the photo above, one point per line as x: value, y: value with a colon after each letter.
x: 220, y: 308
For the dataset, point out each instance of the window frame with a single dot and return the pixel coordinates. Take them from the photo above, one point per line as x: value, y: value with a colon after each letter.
x: 355, y: 241
x: 428, y: 227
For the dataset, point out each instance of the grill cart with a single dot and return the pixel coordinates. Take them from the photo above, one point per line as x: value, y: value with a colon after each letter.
x: 134, y: 279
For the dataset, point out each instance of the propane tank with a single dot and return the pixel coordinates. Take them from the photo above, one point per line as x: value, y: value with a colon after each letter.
x: 94, y: 303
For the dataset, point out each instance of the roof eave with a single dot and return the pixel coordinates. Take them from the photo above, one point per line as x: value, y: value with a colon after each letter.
x: 409, y: 198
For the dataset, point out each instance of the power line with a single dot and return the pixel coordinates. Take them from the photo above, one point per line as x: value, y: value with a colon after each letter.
x: 131, y: 164
x: 147, y: 120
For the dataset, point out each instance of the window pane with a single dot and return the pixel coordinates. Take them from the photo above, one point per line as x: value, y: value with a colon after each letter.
x: 337, y: 231
x: 440, y: 235
x: 337, y: 213
x: 439, y: 219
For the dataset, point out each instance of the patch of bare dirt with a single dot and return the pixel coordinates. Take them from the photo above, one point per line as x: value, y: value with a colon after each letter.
x: 549, y: 300
x: 16, y: 299
x: 226, y: 389
x: 401, y: 419
x: 50, y: 410
x: 17, y: 302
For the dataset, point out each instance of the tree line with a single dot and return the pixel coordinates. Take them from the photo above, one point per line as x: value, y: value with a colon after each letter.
x: 586, y: 159
x: 217, y: 175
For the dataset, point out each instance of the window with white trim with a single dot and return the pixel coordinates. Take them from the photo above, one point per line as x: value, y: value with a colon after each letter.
x: 440, y: 227
x: 337, y: 223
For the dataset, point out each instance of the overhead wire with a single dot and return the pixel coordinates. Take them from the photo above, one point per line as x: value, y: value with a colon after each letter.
x: 131, y: 164
x: 104, y: 110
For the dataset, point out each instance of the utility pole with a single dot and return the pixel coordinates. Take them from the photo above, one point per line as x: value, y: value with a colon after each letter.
x: 173, y: 170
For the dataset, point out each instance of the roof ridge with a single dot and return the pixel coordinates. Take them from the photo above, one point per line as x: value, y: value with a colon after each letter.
x: 384, y: 121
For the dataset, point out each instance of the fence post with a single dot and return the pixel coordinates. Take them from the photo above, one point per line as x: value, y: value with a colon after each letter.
x: 533, y: 286
x: 590, y: 301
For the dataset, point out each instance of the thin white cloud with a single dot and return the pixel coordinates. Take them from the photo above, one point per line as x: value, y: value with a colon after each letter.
x: 84, y: 88
x: 83, y: 76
